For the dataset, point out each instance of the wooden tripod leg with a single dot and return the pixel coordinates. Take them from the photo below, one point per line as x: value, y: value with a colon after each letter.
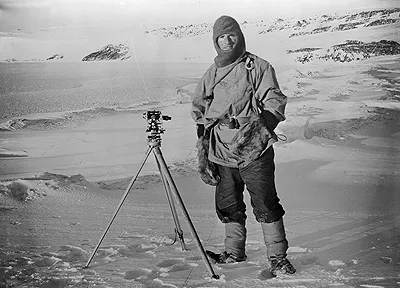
x: 167, y: 174
x: 178, y: 229
x: 120, y: 204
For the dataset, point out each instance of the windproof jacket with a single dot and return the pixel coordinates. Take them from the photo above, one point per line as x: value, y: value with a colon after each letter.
x: 242, y: 94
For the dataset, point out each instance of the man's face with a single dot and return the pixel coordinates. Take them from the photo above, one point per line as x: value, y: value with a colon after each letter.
x: 226, y: 42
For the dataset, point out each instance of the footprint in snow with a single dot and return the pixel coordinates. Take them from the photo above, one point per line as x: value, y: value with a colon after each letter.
x: 168, y: 263
x: 135, y: 274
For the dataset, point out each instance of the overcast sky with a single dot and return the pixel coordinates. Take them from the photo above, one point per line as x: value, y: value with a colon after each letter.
x: 24, y: 15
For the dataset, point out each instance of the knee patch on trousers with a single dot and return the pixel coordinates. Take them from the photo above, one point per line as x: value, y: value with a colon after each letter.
x: 238, y: 216
x: 268, y: 216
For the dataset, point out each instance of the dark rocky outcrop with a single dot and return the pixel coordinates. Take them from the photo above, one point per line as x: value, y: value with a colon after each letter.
x: 320, y: 30
x: 347, y: 26
x: 109, y: 52
x: 382, y: 22
x: 352, y: 50
x: 327, y: 18
x: 55, y: 57
x: 302, y: 50
x: 301, y: 24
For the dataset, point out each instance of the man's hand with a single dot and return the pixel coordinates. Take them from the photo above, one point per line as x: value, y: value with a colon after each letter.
x: 271, y: 120
x: 200, y: 130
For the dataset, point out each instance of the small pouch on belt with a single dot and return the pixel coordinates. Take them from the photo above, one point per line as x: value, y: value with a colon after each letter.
x: 235, y: 123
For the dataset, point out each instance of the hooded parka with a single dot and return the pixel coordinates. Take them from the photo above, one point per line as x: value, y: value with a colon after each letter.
x: 236, y: 92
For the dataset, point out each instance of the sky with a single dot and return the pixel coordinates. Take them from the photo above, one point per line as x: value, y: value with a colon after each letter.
x: 28, y: 15
x: 37, y: 29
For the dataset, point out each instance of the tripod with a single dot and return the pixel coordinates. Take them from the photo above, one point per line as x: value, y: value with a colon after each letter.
x: 154, y: 142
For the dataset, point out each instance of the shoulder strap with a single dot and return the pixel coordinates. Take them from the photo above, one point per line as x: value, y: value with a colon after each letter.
x: 249, y: 67
x: 249, y: 64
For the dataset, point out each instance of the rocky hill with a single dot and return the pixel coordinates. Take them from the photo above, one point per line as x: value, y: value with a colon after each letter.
x: 109, y: 52
x: 55, y: 57
x: 311, y: 25
x: 350, y: 51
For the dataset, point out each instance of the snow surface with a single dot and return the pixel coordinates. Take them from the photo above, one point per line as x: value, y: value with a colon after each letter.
x: 63, y: 175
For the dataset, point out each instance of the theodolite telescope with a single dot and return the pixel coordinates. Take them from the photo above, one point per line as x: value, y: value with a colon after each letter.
x: 154, y: 125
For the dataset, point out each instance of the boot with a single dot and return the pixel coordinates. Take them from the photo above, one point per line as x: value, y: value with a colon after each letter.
x: 235, y: 239
x: 281, y: 266
x: 235, y: 242
x: 277, y: 245
x: 223, y: 258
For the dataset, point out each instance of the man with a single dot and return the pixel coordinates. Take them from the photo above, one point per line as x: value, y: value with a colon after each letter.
x: 237, y: 105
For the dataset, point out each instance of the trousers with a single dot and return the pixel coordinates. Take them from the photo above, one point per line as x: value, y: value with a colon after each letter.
x: 259, y: 179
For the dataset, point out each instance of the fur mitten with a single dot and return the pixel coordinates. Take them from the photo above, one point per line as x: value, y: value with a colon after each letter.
x: 208, y: 170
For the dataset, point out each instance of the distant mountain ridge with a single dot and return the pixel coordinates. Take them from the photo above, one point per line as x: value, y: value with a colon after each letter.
x: 294, y: 29
x: 311, y: 25
x: 323, y: 37
x: 350, y: 51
